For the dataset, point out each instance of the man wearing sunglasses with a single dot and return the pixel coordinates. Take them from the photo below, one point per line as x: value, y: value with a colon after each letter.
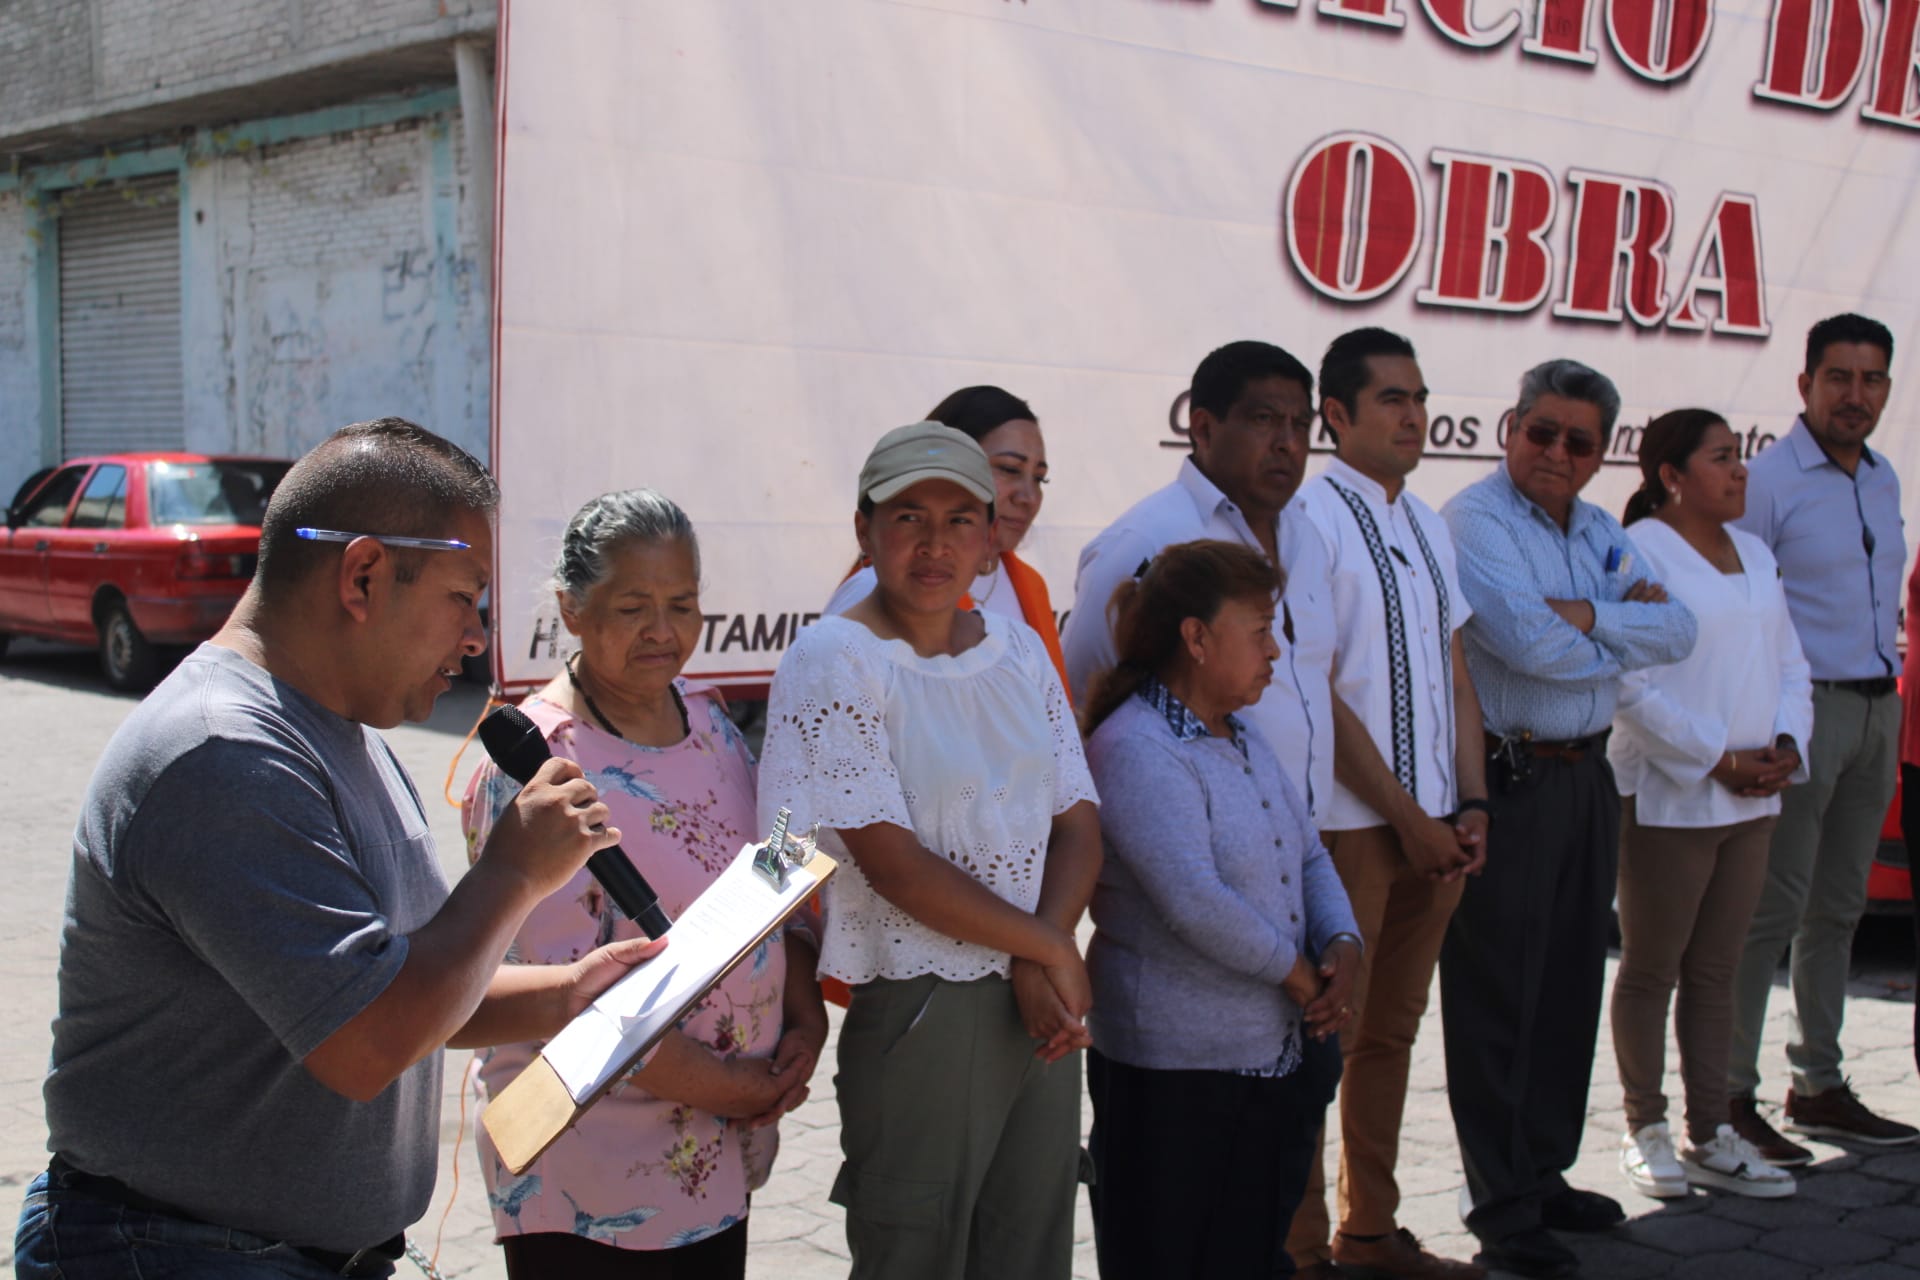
x: 1560, y: 611
x: 261, y: 961
x: 1829, y: 507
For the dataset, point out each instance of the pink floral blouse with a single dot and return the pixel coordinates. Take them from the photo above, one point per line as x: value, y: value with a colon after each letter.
x: 639, y: 1172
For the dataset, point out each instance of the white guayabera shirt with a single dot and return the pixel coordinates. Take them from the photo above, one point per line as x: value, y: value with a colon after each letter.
x: 1396, y: 604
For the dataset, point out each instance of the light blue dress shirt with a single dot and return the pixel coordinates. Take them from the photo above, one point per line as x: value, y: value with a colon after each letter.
x: 1532, y: 669
x: 1841, y: 544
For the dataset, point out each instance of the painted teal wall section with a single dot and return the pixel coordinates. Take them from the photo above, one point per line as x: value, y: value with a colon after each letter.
x: 449, y: 375
x: 316, y: 124
x: 233, y: 139
x: 208, y: 304
x: 45, y: 230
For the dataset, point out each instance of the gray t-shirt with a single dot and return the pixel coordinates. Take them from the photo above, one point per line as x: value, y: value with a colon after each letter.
x: 245, y: 873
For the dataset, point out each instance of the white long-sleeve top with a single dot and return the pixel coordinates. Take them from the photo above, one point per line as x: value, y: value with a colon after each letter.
x: 1745, y: 683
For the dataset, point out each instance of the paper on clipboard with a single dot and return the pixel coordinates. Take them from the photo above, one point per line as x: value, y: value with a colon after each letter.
x: 727, y: 921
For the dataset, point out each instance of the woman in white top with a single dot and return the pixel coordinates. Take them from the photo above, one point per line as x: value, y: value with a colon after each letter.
x: 935, y: 748
x: 1701, y: 750
x: 1005, y: 428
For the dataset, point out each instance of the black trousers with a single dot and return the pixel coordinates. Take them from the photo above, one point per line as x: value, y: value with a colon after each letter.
x: 552, y: 1256
x: 1197, y: 1173
x: 1521, y: 978
x: 1910, y: 832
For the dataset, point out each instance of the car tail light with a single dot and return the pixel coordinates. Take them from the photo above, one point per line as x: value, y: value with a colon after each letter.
x: 200, y: 565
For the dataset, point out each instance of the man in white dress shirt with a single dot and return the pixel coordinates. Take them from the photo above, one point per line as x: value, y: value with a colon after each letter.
x: 1250, y: 412
x: 1407, y: 817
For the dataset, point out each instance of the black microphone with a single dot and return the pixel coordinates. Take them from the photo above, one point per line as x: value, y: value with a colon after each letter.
x: 518, y: 747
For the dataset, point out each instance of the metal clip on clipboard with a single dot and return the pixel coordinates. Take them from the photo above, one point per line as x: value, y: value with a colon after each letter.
x: 775, y: 859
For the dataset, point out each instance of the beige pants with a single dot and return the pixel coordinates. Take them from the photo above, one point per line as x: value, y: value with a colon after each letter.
x: 1687, y: 896
x: 1403, y: 920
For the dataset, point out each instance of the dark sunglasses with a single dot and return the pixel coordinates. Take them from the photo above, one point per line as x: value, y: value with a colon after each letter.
x: 1579, y: 444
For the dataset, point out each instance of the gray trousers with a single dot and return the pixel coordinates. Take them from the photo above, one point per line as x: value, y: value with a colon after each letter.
x: 1816, y: 890
x: 962, y: 1148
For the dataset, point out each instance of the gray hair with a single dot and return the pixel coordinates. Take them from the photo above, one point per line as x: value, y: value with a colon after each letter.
x: 629, y: 515
x: 1570, y: 380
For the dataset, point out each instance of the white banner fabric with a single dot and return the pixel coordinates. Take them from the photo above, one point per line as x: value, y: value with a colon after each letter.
x: 739, y: 239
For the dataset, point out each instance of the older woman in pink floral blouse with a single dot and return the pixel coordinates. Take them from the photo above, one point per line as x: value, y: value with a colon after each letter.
x: 654, y: 1180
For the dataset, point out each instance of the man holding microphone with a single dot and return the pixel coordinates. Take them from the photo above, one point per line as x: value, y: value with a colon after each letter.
x: 260, y: 961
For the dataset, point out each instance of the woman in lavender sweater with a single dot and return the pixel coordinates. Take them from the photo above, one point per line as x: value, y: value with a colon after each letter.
x: 1223, y: 949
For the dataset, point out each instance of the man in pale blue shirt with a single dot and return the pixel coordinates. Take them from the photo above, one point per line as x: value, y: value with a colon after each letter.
x: 1829, y: 507
x: 1561, y: 610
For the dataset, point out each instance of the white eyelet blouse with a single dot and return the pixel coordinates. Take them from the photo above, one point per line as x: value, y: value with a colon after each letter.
x: 974, y: 753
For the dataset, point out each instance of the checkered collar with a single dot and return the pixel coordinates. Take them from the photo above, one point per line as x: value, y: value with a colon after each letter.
x: 1187, y: 726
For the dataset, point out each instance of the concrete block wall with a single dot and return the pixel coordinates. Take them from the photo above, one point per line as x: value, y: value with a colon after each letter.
x: 46, y: 57
x: 65, y: 54
x: 143, y: 47
x: 330, y: 281
x: 326, y: 22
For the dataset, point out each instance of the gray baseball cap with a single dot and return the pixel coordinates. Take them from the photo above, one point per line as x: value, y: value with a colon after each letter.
x: 926, y: 451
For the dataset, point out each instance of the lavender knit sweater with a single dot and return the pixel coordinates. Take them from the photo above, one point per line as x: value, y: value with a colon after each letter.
x: 1214, y: 880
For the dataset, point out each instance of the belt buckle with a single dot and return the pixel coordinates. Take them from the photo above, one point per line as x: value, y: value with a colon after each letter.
x: 371, y: 1258
x: 1515, y: 753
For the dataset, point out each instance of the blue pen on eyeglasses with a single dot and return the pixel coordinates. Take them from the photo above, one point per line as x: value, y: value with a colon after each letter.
x: 391, y: 539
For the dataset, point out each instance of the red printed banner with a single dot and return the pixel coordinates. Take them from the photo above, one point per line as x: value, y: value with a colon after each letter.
x: 738, y: 242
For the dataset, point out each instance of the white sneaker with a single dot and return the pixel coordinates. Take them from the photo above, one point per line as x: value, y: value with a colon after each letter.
x: 1730, y: 1163
x: 1647, y: 1160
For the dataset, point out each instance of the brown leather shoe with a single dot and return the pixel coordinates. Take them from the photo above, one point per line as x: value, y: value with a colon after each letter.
x: 1744, y: 1115
x: 1836, y: 1113
x: 1398, y: 1257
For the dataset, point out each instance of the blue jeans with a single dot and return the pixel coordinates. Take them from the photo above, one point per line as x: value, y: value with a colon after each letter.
x: 66, y: 1234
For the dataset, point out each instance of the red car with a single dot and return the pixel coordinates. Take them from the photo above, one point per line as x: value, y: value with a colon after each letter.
x: 1890, y: 882
x: 132, y: 552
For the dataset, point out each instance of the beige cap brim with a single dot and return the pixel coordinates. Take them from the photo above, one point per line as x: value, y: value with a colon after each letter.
x: 887, y: 490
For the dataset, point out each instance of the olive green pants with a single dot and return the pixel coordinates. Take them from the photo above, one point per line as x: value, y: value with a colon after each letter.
x: 962, y: 1148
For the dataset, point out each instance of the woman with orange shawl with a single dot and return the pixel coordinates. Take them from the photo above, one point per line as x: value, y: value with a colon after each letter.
x: 1006, y: 429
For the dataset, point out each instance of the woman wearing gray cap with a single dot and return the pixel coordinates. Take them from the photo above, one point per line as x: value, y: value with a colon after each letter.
x: 935, y: 748
x: 1006, y: 430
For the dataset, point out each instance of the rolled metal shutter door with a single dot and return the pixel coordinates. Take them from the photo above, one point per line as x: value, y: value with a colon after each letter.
x: 120, y: 364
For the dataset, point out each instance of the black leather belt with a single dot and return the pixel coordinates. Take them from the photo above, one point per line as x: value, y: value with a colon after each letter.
x: 1527, y: 744
x: 361, y: 1262
x: 1878, y: 687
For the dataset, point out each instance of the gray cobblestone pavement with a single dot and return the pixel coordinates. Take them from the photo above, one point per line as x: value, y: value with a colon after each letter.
x: 1857, y: 1214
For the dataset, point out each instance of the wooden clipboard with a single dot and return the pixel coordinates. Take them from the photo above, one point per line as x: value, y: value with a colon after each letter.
x: 562, y: 1084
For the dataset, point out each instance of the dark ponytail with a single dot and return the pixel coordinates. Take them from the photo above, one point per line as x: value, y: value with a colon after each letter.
x: 1187, y: 580
x: 1669, y: 440
x: 1643, y: 502
x: 978, y: 410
